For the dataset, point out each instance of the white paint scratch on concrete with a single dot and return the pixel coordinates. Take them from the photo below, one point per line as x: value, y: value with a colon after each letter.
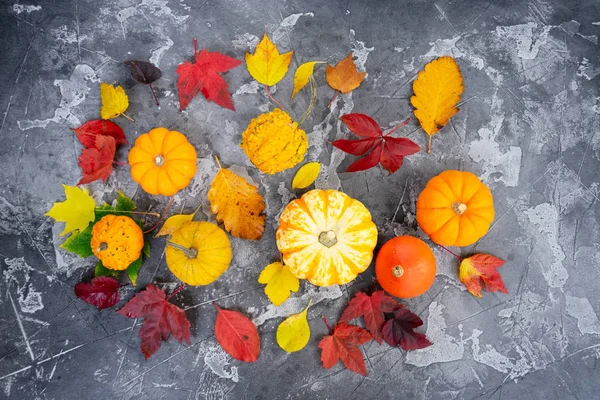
x: 22, y: 8
x: 527, y: 38
x: 359, y: 51
x: 280, y: 35
x: 245, y: 42
x: 581, y: 309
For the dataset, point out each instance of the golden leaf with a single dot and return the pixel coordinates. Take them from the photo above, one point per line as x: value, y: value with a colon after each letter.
x: 438, y: 88
x: 266, y: 65
x: 174, y: 222
x: 77, y: 211
x: 114, y: 101
x: 280, y: 282
x: 306, y: 175
x: 293, y: 333
x: 303, y: 75
x: 237, y: 204
x: 344, y: 76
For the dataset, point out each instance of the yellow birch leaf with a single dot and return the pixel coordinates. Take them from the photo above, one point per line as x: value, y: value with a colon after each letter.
x: 293, y: 333
x: 306, y: 175
x: 266, y: 65
x: 174, y: 222
x: 114, y: 101
x: 303, y: 74
x: 438, y: 88
x: 77, y: 211
x: 237, y: 204
x: 280, y: 282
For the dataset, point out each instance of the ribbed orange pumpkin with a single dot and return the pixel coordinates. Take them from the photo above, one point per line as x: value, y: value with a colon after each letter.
x: 326, y: 237
x: 162, y: 161
x: 455, y: 208
x: 117, y: 241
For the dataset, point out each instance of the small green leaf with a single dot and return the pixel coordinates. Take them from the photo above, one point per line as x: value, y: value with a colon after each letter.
x: 79, y: 243
x: 103, y: 211
x: 134, y: 269
x: 124, y: 203
x: 146, y: 249
x: 101, y: 270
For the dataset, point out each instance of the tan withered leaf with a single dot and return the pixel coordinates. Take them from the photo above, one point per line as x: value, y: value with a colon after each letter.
x: 237, y: 204
x: 344, y: 76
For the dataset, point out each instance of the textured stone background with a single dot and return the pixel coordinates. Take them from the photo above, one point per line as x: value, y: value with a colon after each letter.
x: 528, y: 126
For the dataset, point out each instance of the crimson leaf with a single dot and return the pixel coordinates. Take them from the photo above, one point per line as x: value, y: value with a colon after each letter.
x: 342, y: 344
x: 102, y: 292
x: 96, y: 163
x: 399, y: 331
x: 362, y: 125
x: 87, y: 132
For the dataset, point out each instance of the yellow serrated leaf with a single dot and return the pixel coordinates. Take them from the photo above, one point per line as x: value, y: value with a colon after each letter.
x: 293, y: 333
x: 237, y: 204
x: 280, y: 282
x: 303, y: 74
x: 438, y: 88
x: 77, y: 211
x: 174, y: 222
x: 306, y: 175
x: 114, y: 101
x: 266, y: 65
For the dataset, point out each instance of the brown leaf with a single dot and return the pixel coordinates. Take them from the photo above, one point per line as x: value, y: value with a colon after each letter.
x: 344, y: 76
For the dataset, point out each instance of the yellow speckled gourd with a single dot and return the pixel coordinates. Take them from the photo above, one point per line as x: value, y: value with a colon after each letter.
x: 274, y: 142
x: 117, y: 241
x: 326, y: 237
x: 162, y: 161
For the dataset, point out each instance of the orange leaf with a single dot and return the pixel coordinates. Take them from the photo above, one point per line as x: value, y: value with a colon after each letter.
x: 344, y: 76
x: 479, y: 272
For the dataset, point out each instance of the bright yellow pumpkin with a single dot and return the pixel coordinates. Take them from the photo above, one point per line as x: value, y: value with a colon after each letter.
x: 455, y: 208
x: 162, y: 161
x: 198, y: 252
x: 117, y: 241
x: 326, y: 237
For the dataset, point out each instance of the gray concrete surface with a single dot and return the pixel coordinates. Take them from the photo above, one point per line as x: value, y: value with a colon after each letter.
x: 528, y: 126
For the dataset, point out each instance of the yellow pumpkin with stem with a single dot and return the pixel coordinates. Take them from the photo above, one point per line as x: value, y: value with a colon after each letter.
x: 326, y: 237
x: 117, y: 241
x: 198, y: 252
x: 455, y: 208
x: 162, y: 161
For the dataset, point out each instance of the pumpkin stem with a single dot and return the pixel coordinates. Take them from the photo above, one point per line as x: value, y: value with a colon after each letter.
x: 190, y: 253
x: 159, y: 160
x: 328, y: 238
x: 459, y: 207
x: 398, y: 271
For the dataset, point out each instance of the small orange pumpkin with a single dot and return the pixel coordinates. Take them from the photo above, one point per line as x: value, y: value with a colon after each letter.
x: 162, y: 161
x: 455, y: 208
x: 117, y: 241
x: 405, y: 267
x: 326, y: 237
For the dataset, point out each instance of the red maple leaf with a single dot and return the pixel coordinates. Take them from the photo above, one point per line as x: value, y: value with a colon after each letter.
x: 203, y: 75
x: 399, y: 331
x: 102, y: 292
x: 87, y: 132
x: 237, y: 335
x: 384, y: 149
x: 342, y: 344
x: 161, y: 319
x: 96, y: 163
x: 372, y: 309
x: 480, y: 272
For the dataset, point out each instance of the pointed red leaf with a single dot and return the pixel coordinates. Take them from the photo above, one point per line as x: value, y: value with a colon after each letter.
x: 399, y: 331
x: 479, y: 272
x: 96, y: 163
x: 389, y: 160
x: 401, y: 146
x: 362, y: 125
x: 355, y: 147
x: 368, y: 161
x: 237, y: 335
x: 372, y: 309
x: 102, y: 292
x: 161, y: 319
x: 343, y: 345
x: 86, y: 133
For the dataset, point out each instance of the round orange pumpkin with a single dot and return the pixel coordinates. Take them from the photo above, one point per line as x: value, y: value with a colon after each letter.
x: 162, y: 161
x: 326, y: 237
x: 455, y: 208
x: 405, y: 267
x: 117, y: 241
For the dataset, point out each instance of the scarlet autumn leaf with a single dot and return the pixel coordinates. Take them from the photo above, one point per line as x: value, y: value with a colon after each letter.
x: 161, y: 319
x: 342, y: 344
x: 399, y: 331
x: 237, y: 335
x: 479, y: 272
x: 102, y: 292
x: 96, y: 163
x: 86, y: 133
x: 384, y: 149
x: 372, y: 309
x: 203, y: 76
x: 145, y: 72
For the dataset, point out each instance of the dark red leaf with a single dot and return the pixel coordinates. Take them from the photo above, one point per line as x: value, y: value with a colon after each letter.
x: 368, y: 161
x: 401, y: 146
x: 372, y: 309
x: 356, y: 147
x: 203, y: 76
x: 87, y: 132
x: 102, y: 292
x: 389, y: 160
x: 143, y: 71
x: 96, y: 163
x: 161, y: 319
x: 343, y: 345
x: 362, y: 125
x: 237, y: 335
x: 399, y: 331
